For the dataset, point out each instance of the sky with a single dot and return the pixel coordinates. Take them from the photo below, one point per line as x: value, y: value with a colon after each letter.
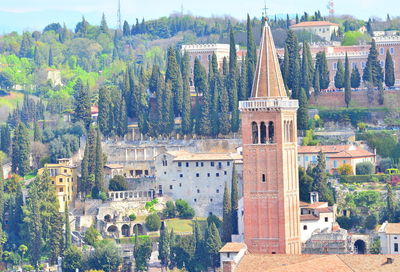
x: 22, y: 15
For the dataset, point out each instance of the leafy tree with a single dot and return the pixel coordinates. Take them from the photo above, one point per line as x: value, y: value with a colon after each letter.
x: 371, y: 221
x: 106, y: 257
x: 183, y: 209
x: 340, y: 74
x: 355, y: 77
x: 305, y: 185
x: 320, y: 180
x: 6, y: 81
x: 72, y: 259
x: 170, y: 210
x: 375, y: 248
x: 142, y: 255
x: 389, y: 70
x: 103, y: 25
x: 118, y: 183
x: 153, y: 222
x: 345, y: 169
x: 213, y: 219
x: 227, y: 216
x: 364, y: 168
x: 347, y: 82
x: 91, y: 236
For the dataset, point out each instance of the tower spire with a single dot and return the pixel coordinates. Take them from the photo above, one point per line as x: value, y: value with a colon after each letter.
x: 268, y: 81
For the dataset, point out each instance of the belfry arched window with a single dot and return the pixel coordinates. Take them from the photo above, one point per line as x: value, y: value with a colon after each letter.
x: 263, y: 133
x: 271, y: 132
x: 254, y: 133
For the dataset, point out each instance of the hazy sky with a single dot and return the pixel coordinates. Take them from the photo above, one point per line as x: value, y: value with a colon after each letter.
x: 155, y: 8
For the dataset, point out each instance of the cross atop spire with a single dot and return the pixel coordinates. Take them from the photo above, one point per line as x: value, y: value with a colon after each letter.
x: 268, y: 82
x: 265, y: 10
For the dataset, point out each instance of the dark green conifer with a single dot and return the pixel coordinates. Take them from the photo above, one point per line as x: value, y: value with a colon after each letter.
x: 347, y: 82
x: 174, y: 75
x: 251, y: 57
x: 355, y: 77
x: 226, y: 216
x: 340, y: 74
x: 302, y: 112
x: 187, y: 105
x: 389, y: 70
x: 373, y: 70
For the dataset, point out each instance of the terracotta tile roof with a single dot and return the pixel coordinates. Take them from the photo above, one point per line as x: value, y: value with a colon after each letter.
x: 308, y: 217
x: 323, y: 148
x: 181, y: 155
x: 303, y: 204
x: 392, y: 228
x: 325, y: 210
x: 353, y: 153
x: 317, y: 263
x: 316, y: 205
x: 314, y: 24
x: 232, y: 247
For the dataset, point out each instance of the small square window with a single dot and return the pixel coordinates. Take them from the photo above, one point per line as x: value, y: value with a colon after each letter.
x: 60, y: 180
x: 187, y: 164
x: 179, y: 164
x: 181, y: 175
x: 212, y: 163
x: 217, y: 191
x: 165, y: 173
x: 195, y: 200
x: 225, y: 173
x: 171, y: 187
x: 217, y: 174
x: 198, y: 191
x: 305, y: 227
x: 202, y: 164
x: 180, y: 184
x: 326, y: 219
x: 211, y: 200
x: 52, y: 182
x: 197, y: 175
x: 208, y: 174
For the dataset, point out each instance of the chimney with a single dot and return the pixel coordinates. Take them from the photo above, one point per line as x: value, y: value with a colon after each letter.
x: 314, y: 197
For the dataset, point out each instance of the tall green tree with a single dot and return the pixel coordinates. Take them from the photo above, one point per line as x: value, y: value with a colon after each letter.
x: 168, y: 109
x: 373, y: 71
x: 293, y: 54
x: 202, y: 113
x: 224, y: 121
x: 321, y: 68
x: 302, y: 112
x: 174, y: 75
x: 226, y: 216
x: 285, y: 65
x: 320, y: 180
x: 213, y: 245
x: 187, y: 103
x: 99, y: 170
x: 164, y: 247
x: 251, y: 57
x: 82, y: 104
x: 234, y: 201
x: 103, y: 25
x: 390, y: 203
x: 67, y: 228
x: 51, y: 58
x: 243, y: 93
x: 105, y: 106
x: 389, y: 70
x: 20, y: 151
x: 5, y: 139
x: 355, y: 77
x: 37, y: 135
x: 340, y: 74
x: 307, y: 69
x: 126, y: 30
x: 347, y: 82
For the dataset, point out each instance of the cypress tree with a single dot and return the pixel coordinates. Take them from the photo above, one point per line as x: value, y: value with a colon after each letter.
x: 321, y: 65
x: 164, y: 247
x: 213, y: 244
x: 168, y: 109
x: 2, y: 198
x: 302, y: 112
x: 226, y: 216
x: 340, y: 74
x: 317, y: 86
x: 224, y: 121
x: 390, y: 203
x: 225, y: 68
x: 389, y: 70
x: 347, y: 83
x: 91, y: 142
x: 306, y: 68
x: 99, y: 170
x: 5, y: 140
x: 174, y: 75
x: 355, y: 77
x: 36, y: 59
x: 234, y: 201
x: 51, y: 59
x: 285, y: 73
x: 381, y: 97
x: 20, y: 151
x: 243, y: 81
x: 121, y: 118
x: 373, y: 70
x: 156, y: 117
x: 82, y: 104
x: 126, y: 30
x: 235, y: 111
x: 67, y: 225
x: 293, y: 54
x: 251, y: 57
x: 103, y: 25
x: 37, y: 135
x: 84, y: 182
x: 232, y: 53
x: 187, y: 104
x: 202, y: 116
x: 104, y: 111
x: 215, y: 92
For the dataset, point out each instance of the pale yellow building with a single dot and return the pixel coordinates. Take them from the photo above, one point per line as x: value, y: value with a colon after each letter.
x: 64, y: 177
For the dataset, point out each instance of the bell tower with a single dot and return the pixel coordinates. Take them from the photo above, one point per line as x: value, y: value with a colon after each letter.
x: 270, y: 171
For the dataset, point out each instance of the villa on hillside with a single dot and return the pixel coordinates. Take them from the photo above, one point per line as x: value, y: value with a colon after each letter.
x: 322, y: 29
x: 335, y: 156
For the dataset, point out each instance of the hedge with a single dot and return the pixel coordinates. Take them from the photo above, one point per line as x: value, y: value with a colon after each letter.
x: 364, y: 178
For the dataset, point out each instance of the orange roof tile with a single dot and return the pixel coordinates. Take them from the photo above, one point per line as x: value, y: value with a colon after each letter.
x: 325, y: 210
x: 314, y: 24
x: 323, y: 148
x: 308, y: 217
x: 392, y: 228
x: 353, y: 153
x: 232, y: 247
x: 316, y: 205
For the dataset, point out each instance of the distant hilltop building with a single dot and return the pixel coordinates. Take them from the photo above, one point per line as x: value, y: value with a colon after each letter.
x: 204, y: 53
x: 323, y: 29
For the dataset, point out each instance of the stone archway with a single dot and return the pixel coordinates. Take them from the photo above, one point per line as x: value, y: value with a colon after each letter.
x: 125, y: 230
x: 140, y: 229
x: 360, y: 247
x: 107, y: 218
x: 112, y: 229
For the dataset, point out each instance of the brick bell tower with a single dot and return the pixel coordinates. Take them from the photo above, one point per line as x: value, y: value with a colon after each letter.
x: 270, y: 171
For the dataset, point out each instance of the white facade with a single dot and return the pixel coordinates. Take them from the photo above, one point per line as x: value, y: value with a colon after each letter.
x: 197, y: 178
x: 232, y: 252
x: 389, y: 235
x: 316, y: 218
x: 319, y: 28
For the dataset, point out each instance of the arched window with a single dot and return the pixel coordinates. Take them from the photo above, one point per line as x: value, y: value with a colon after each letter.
x: 263, y: 133
x: 271, y: 132
x: 254, y: 132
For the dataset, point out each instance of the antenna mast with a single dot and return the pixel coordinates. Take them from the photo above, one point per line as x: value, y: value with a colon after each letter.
x: 119, y: 15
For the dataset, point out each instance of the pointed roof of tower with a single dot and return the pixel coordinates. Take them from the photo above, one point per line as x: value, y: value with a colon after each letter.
x: 268, y: 81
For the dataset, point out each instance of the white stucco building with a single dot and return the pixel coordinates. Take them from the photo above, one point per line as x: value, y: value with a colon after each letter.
x: 322, y: 29
x: 198, y: 178
x: 389, y: 234
x: 315, y: 217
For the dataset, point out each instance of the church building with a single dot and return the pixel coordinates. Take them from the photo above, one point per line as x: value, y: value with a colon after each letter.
x: 270, y: 167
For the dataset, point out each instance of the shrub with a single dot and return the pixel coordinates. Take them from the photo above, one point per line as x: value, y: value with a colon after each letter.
x: 344, y: 222
x: 103, y: 196
x: 385, y: 164
x: 364, y: 178
x: 170, y: 210
x: 153, y: 222
x: 118, y: 183
x: 183, y: 209
x: 150, y: 205
x: 371, y: 221
x: 132, y: 217
x: 214, y: 219
x: 364, y: 168
x: 91, y: 236
x: 345, y: 169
